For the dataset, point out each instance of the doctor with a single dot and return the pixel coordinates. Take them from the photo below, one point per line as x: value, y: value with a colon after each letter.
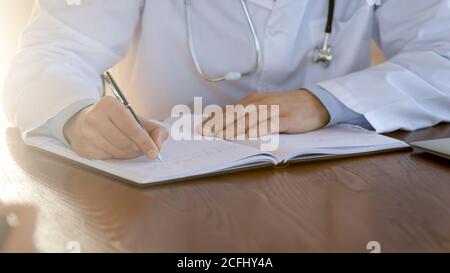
x: 54, y: 87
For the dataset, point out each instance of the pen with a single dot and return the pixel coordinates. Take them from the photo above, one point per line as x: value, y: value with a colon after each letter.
x: 121, y: 97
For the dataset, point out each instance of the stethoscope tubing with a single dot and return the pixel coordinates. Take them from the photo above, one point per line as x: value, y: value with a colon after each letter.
x: 230, y: 75
x: 321, y: 55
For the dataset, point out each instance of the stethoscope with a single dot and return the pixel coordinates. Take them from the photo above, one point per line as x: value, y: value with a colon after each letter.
x: 322, y: 55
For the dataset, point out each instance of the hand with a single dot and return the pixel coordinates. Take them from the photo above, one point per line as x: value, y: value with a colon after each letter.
x: 299, y: 111
x: 108, y: 130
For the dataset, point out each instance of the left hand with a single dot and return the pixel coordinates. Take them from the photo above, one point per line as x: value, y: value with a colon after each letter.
x: 299, y: 111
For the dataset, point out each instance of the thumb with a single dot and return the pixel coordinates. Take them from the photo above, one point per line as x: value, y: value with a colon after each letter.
x: 157, y: 131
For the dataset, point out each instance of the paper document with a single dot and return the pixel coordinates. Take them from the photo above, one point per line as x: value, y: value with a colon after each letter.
x: 184, y: 159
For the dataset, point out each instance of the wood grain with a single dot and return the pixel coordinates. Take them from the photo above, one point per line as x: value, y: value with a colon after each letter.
x: 400, y: 199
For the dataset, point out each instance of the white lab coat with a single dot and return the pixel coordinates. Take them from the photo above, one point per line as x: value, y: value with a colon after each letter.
x: 65, y: 48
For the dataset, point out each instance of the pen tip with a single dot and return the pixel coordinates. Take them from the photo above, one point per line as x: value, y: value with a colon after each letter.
x: 160, y: 157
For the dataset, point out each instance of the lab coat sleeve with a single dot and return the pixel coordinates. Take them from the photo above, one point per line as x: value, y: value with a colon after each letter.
x: 63, y: 51
x: 411, y: 90
x: 339, y: 113
x: 55, y: 126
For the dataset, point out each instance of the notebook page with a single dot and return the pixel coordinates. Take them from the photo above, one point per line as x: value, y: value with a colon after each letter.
x: 180, y: 159
x: 337, y: 140
x: 187, y: 158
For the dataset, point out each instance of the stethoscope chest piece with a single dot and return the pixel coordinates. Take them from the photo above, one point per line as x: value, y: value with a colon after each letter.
x: 324, y: 54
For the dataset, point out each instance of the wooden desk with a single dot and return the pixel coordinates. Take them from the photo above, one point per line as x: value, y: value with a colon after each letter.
x: 401, y: 200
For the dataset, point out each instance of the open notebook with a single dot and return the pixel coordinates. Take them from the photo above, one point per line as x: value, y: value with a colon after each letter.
x: 188, y: 159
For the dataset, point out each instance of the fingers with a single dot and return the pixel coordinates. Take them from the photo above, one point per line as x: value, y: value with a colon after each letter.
x: 252, y: 121
x: 94, y: 153
x: 251, y: 128
x: 108, y: 130
x: 224, y: 123
x: 118, y: 141
x: 230, y: 114
x: 210, y: 126
x: 106, y: 146
x: 276, y: 125
x: 97, y: 154
x: 122, y: 118
x: 240, y: 126
x: 158, y: 132
x: 82, y: 138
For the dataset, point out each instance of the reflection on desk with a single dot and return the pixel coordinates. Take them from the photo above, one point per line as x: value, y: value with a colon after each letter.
x: 400, y: 200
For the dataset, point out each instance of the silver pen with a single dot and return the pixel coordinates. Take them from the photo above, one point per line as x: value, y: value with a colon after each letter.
x: 121, y: 97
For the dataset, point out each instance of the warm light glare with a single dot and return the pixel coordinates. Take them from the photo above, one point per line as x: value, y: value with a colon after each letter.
x: 14, y: 14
